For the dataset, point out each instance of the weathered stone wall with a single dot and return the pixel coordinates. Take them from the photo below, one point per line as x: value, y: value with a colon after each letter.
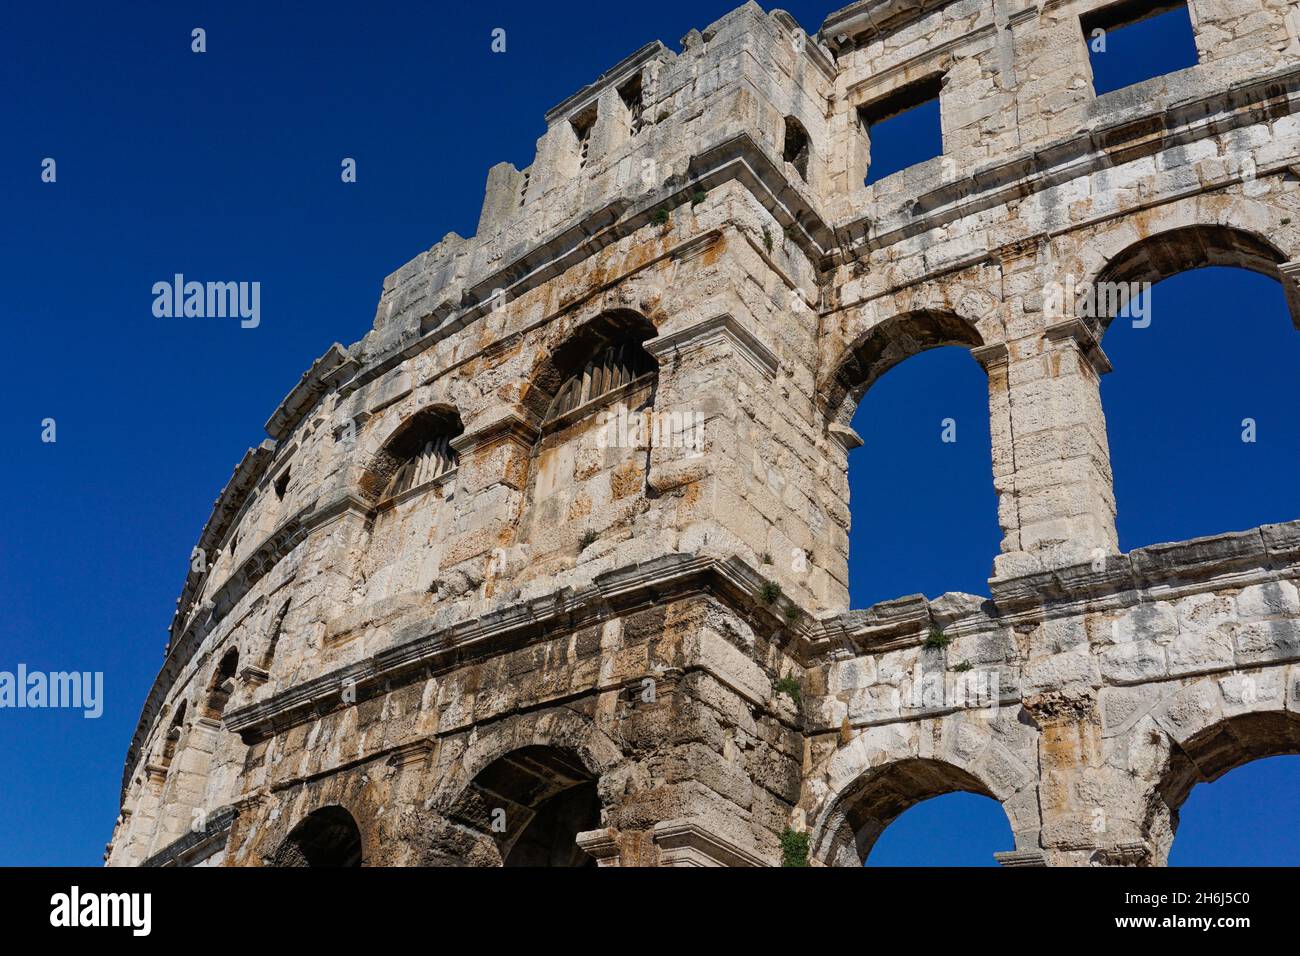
x: 573, y: 629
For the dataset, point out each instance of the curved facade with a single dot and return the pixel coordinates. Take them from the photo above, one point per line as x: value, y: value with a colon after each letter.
x: 551, y: 566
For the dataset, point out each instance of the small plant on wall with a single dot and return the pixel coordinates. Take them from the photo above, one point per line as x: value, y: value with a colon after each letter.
x: 794, y: 848
x: 789, y: 686
x: 937, y: 639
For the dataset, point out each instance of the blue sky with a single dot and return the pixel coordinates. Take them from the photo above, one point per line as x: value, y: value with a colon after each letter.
x: 226, y: 165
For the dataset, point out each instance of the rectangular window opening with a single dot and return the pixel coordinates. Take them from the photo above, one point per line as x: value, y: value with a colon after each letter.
x: 904, y: 128
x: 1138, y: 40
x: 582, y: 126
x: 796, y: 148
x: 631, y: 94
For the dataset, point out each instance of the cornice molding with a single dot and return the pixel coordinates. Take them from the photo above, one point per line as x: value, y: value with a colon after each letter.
x: 722, y: 327
x: 332, y: 367
x: 688, y: 843
x: 671, y: 577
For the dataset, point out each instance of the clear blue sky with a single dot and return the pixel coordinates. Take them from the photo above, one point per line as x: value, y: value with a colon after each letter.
x: 226, y: 165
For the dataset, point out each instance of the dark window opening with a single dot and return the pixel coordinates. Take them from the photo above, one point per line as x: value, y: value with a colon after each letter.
x: 796, y: 147
x: 532, y: 803
x: 276, y: 626
x: 327, y: 837
x: 234, y: 543
x: 523, y: 190
x: 222, y: 687
x: 434, y: 459
x: 1137, y: 40
x: 903, y: 128
x: 282, y: 485
x: 422, y: 452
x: 631, y: 94
x: 583, y: 124
x: 173, y: 735
x: 610, y: 369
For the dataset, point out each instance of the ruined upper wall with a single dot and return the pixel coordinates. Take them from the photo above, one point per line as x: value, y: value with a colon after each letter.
x: 738, y: 78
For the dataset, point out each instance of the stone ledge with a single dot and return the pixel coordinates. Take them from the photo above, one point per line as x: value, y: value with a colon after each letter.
x: 685, y: 843
x: 1273, y: 546
x: 639, y: 585
x: 621, y: 70
x: 709, y: 332
x: 871, y: 19
x: 1021, y: 858
x: 196, y: 846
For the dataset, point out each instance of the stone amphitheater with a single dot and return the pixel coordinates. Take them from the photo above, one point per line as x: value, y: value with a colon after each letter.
x: 551, y: 567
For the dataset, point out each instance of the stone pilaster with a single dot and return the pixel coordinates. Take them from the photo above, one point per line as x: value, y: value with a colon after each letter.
x: 490, y: 484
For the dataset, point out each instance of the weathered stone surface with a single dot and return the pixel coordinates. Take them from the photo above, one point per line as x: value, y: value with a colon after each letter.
x: 552, y: 565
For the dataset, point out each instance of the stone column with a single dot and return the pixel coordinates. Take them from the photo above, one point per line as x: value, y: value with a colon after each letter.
x: 1092, y: 793
x: 1051, y: 460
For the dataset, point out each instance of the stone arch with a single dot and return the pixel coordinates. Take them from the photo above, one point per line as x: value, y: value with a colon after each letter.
x: 553, y: 370
x: 393, y: 445
x: 562, y: 730
x: 884, y: 345
x: 1167, y: 254
x: 534, y: 801
x: 1214, y: 726
x: 1200, y: 231
x: 328, y: 836
x: 542, y: 769
x: 869, y: 782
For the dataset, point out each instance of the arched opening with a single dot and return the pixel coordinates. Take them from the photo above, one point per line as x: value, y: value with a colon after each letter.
x: 616, y: 365
x: 883, y: 794
x: 326, y: 837
x: 417, y: 455
x: 955, y: 829
x: 1247, y: 742
x: 924, y: 513
x: 222, y: 686
x: 1199, y: 405
x: 1245, y: 818
x: 533, y: 803
x: 409, y: 480
x: 602, y: 360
